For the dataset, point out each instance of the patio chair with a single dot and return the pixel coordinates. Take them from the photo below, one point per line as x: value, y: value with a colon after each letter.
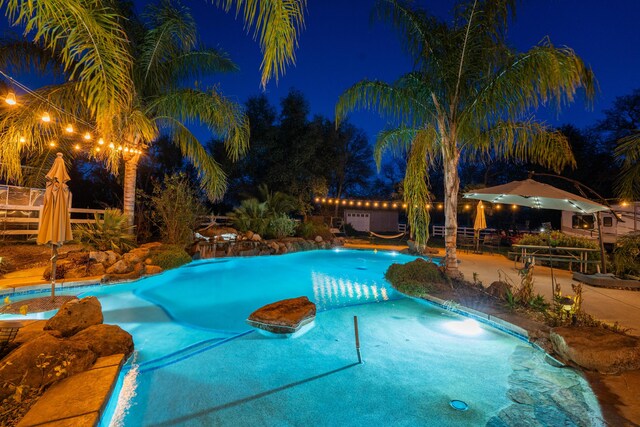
x: 8, y: 331
x: 465, y: 243
x: 492, y: 243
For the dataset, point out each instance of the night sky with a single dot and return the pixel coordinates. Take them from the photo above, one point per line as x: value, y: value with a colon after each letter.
x: 341, y: 45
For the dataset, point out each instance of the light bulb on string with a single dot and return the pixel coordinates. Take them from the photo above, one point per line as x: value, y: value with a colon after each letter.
x: 69, y: 128
x: 112, y: 146
x: 126, y: 149
x: 11, y: 98
x: 52, y: 144
x: 97, y: 149
x: 46, y: 117
x: 87, y: 136
x: 119, y: 147
x: 77, y: 147
x: 23, y: 140
x: 101, y: 141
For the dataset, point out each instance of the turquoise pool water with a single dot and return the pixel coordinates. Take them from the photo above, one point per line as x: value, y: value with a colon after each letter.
x: 198, y: 364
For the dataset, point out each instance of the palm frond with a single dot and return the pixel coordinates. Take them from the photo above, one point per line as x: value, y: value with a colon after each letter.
x: 277, y: 25
x: 628, y: 152
x: 172, y: 31
x: 22, y: 56
x: 524, y: 141
x: 416, y: 188
x: 388, y: 100
x: 544, y: 75
x: 222, y: 116
x: 195, y: 64
x: 212, y: 178
x: 91, y: 44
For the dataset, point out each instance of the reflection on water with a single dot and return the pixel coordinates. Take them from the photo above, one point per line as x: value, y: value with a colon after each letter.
x: 329, y: 291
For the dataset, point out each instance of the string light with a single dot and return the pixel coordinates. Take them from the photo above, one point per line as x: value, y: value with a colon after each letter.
x: 514, y: 207
x: 98, y: 149
x: 46, y: 117
x: 101, y: 141
x: 52, y: 144
x: 77, y: 147
x: 11, y: 98
x: 69, y: 128
x: 119, y: 147
x: 87, y: 136
x: 112, y: 146
x: 23, y: 140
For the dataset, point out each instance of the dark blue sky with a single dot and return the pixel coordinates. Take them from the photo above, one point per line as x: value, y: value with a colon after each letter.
x: 341, y: 45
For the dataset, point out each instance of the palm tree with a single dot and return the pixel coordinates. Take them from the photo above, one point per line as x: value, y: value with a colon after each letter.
x: 628, y: 152
x: 467, y: 98
x: 155, y: 56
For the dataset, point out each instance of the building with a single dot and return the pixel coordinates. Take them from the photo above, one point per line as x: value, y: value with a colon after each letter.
x: 373, y: 220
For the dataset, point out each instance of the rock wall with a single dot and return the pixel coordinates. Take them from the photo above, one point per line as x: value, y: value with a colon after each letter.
x: 251, y: 244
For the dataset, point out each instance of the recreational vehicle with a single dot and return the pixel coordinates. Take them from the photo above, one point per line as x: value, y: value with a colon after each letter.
x: 626, y: 220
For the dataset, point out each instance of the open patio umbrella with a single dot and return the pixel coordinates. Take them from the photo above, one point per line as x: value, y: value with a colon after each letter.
x: 55, y: 223
x: 480, y: 223
x: 537, y: 195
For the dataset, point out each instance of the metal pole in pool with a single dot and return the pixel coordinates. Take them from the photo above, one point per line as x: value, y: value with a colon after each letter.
x: 355, y: 325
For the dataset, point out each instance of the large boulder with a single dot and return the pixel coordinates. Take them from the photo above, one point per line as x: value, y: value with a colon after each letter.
x: 152, y: 269
x: 120, y: 267
x: 105, y: 340
x: 42, y: 361
x: 137, y: 271
x: 98, y: 256
x: 112, y: 258
x: 285, y: 316
x: 498, y: 289
x: 76, y: 315
x: 597, y: 349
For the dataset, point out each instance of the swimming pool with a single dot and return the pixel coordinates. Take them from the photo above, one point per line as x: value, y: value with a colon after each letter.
x: 198, y: 363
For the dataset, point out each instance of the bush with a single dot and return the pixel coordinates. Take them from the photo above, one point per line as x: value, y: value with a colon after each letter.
x: 281, y: 226
x: 558, y: 238
x: 169, y: 256
x: 251, y: 215
x: 176, y: 209
x: 416, y: 278
x: 309, y: 230
x: 626, y: 255
x: 112, y: 232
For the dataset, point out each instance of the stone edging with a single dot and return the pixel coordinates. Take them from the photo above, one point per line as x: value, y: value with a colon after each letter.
x: 36, y: 289
x: 78, y: 400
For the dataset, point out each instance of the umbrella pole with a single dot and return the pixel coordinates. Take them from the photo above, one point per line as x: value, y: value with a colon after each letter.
x: 54, y: 258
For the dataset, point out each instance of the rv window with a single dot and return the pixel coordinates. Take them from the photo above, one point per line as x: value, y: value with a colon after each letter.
x: 607, y: 221
x: 584, y: 222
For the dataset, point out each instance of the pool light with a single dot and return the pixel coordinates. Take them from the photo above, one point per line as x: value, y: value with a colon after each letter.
x: 466, y: 327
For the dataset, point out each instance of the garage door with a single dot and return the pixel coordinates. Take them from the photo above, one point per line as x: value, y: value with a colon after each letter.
x: 359, y: 221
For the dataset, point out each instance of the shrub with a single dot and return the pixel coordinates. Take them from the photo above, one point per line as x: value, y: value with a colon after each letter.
x: 112, y: 232
x: 416, y: 278
x: 281, y: 226
x: 251, y: 215
x: 176, y: 209
x: 309, y: 230
x: 626, y: 255
x: 169, y: 256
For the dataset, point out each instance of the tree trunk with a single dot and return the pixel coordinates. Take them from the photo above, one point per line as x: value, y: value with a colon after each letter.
x: 130, y: 171
x: 451, y: 188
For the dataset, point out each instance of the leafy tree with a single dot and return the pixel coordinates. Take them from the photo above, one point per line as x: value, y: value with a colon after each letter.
x: 468, y: 97
x: 622, y: 126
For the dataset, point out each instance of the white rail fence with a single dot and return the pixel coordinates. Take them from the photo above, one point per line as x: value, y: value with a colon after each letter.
x: 20, y: 209
x: 438, y: 231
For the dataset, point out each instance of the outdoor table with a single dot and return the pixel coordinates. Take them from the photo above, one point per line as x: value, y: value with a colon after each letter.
x: 557, y: 253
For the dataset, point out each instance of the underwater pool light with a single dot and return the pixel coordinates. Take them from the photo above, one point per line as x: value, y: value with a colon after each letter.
x: 459, y: 405
x: 468, y: 327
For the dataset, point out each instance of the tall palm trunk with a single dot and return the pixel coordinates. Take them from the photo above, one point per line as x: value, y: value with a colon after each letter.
x: 451, y: 187
x: 130, y: 172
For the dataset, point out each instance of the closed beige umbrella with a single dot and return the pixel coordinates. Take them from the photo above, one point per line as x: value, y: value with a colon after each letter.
x: 55, y: 222
x: 479, y: 224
